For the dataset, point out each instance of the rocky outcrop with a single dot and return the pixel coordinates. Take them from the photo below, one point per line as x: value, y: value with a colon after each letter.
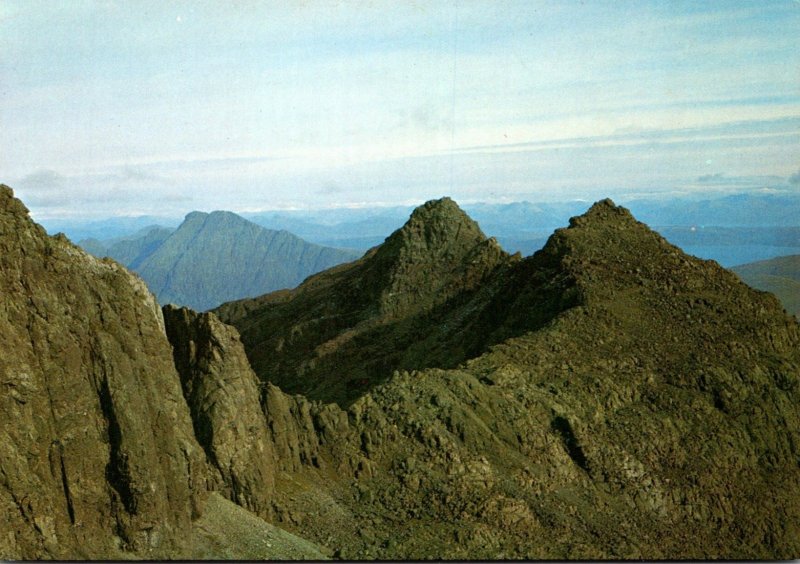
x: 251, y: 432
x: 223, y: 396
x: 438, y: 253
x: 97, y: 453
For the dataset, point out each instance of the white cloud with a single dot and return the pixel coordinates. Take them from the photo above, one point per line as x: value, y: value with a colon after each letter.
x: 274, y: 102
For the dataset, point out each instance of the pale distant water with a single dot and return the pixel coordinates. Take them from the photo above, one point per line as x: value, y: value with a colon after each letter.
x: 734, y: 255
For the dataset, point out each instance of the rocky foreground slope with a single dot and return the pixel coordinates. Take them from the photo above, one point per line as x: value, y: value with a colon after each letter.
x: 96, y: 445
x: 609, y: 397
x: 99, y: 453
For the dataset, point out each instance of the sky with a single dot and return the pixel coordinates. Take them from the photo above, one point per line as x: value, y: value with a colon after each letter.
x: 137, y: 107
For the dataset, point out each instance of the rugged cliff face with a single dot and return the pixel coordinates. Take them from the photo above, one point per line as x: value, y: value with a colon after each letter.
x: 252, y: 433
x: 97, y: 453
x: 223, y: 397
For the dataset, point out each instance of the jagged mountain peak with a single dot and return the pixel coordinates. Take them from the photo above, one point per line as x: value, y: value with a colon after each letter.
x: 438, y: 252
x: 602, y: 212
x: 607, y: 232
x: 9, y: 203
x: 438, y: 258
x: 436, y: 224
x: 444, y: 208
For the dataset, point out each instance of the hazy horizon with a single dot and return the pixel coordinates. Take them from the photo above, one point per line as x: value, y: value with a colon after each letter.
x: 150, y: 108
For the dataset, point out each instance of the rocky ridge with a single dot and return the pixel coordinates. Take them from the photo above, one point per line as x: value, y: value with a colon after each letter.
x: 639, y: 403
x: 609, y: 397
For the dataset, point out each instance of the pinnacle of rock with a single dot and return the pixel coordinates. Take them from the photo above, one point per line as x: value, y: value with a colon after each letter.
x: 434, y: 225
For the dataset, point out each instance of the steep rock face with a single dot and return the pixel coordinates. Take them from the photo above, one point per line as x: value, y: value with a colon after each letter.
x: 223, y: 396
x: 252, y: 434
x: 365, y: 319
x: 97, y: 453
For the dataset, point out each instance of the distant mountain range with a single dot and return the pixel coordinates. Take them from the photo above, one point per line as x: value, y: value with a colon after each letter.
x: 184, y: 269
x: 781, y: 276
x: 217, y: 257
x: 733, y: 229
x: 730, y: 229
x: 132, y: 249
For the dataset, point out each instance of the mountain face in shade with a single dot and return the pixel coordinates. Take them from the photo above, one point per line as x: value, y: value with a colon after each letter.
x: 347, y: 328
x: 216, y: 257
x: 781, y: 276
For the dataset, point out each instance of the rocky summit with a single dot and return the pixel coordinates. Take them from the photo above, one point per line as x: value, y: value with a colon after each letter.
x: 609, y: 397
x: 347, y: 328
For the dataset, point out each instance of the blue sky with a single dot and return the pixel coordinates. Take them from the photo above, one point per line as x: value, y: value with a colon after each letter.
x: 125, y: 108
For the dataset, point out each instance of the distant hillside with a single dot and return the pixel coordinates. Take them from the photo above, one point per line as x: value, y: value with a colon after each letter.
x: 130, y: 250
x: 218, y: 257
x: 107, y: 229
x: 735, y: 210
x: 781, y: 276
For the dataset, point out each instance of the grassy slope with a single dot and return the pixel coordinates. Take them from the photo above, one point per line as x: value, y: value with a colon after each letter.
x: 781, y: 276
